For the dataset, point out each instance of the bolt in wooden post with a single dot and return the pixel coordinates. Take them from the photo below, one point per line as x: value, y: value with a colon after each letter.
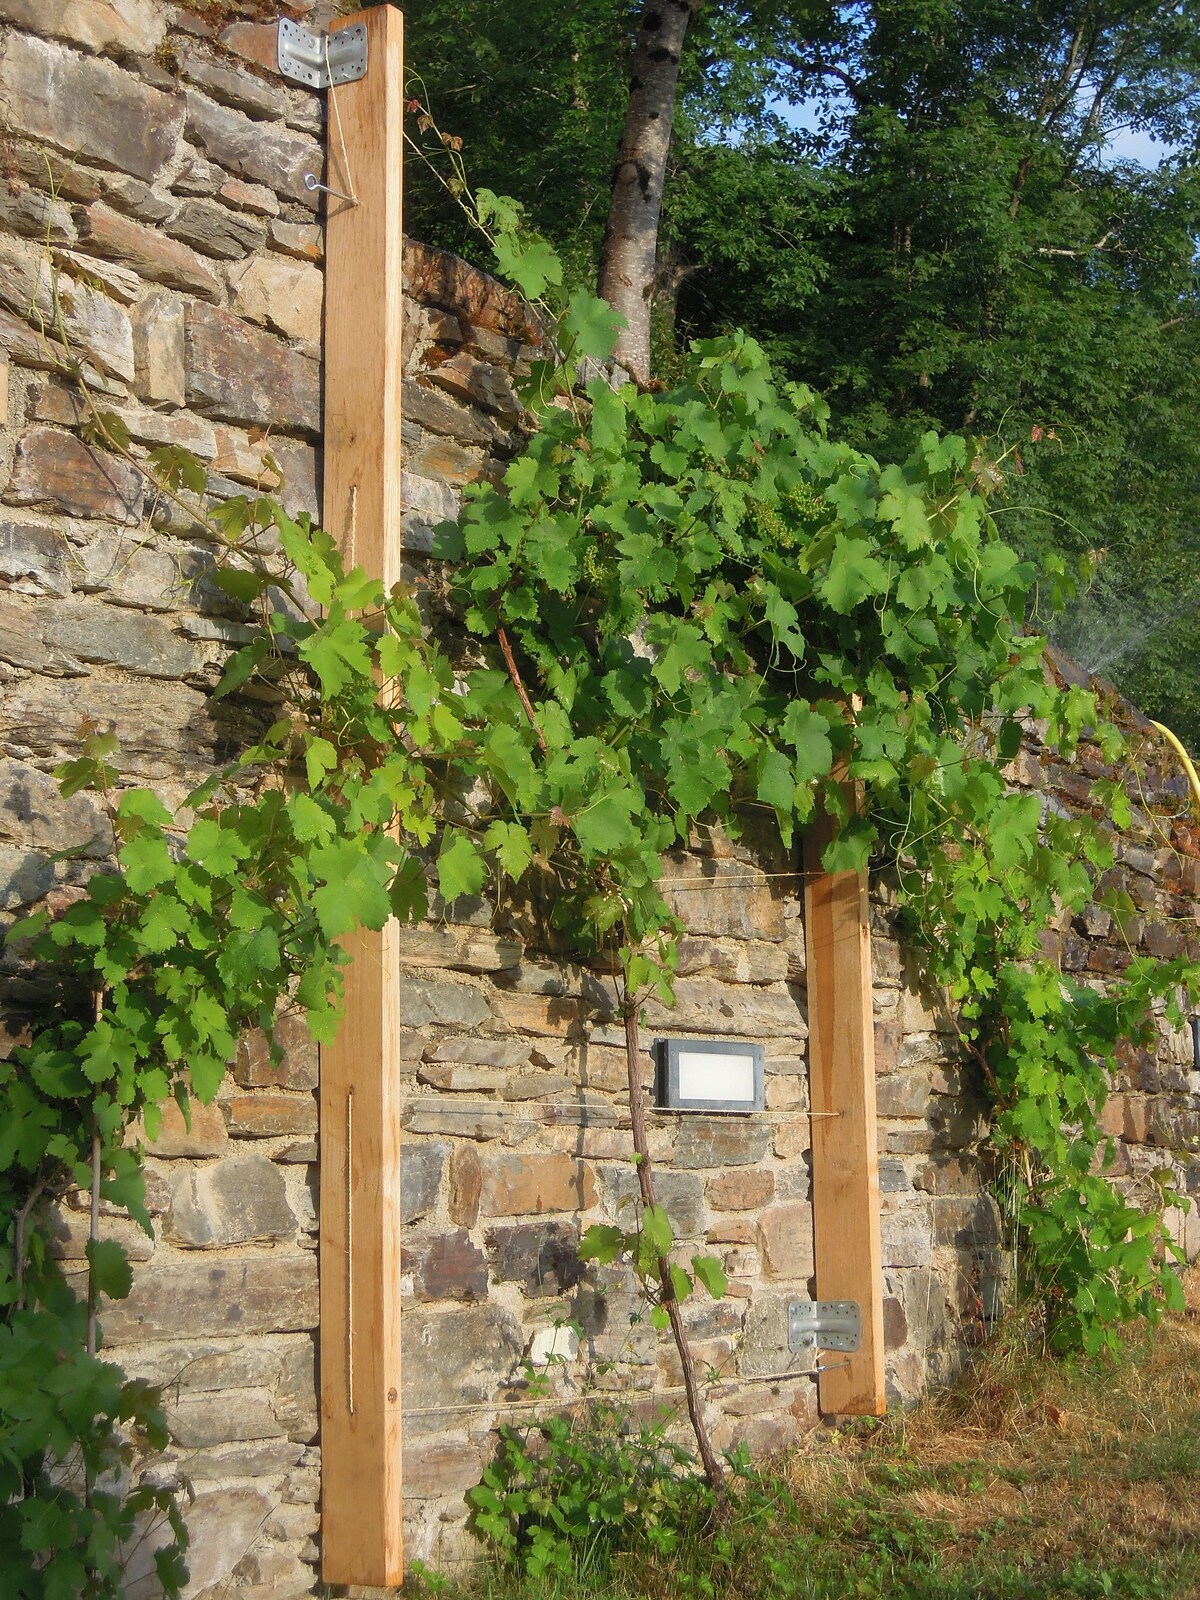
x: 361, y: 1504
x: 841, y: 1071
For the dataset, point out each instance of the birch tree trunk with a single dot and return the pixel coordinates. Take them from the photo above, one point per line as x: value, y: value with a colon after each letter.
x: 627, y: 260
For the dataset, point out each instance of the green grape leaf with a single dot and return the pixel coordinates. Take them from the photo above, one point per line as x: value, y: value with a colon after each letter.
x: 711, y: 1274
x: 854, y: 574
x: 460, y: 867
x: 109, y: 1267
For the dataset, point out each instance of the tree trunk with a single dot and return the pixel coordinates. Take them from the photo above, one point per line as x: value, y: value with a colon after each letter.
x: 627, y: 260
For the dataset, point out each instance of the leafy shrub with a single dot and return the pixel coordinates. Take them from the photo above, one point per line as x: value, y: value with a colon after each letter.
x: 564, y: 1494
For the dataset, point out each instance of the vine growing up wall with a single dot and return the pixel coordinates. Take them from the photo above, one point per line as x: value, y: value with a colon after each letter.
x: 679, y: 610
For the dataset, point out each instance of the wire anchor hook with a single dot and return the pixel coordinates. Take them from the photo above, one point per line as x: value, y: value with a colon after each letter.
x: 314, y: 187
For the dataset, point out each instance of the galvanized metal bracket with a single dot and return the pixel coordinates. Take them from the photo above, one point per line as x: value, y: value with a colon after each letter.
x: 823, y: 1325
x: 322, y: 60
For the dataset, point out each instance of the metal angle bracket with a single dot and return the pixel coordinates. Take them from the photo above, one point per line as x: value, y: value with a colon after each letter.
x: 824, y: 1325
x: 322, y: 60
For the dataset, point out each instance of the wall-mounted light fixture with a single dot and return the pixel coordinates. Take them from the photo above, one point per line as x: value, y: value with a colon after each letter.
x: 1195, y: 1022
x: 709, y: 1075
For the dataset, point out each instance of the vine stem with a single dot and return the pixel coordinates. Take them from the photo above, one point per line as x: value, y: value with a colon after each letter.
x: 713, y: 1470
x: 93, y: 1295
x: 22, y: 1222
x: 510, y: 663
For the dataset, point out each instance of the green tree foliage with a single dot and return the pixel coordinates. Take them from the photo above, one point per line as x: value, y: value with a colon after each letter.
x: 976, y: 262
x: 949, y: 247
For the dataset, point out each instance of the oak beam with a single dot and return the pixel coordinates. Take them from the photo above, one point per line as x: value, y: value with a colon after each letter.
x: 845, y: 1158
x: 361, y: 1500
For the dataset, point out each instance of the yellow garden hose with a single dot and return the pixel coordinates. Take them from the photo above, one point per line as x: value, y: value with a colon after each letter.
x: 1193, y: 779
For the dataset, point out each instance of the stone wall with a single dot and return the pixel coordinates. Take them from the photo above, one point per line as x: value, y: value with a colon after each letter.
x: 154, y: 226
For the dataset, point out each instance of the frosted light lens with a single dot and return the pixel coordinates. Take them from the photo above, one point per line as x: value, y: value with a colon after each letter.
x: 705, y: 1076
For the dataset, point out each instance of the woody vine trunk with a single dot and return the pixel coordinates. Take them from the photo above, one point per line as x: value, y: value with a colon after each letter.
x: 628, y: 256
x: 713, y: 1469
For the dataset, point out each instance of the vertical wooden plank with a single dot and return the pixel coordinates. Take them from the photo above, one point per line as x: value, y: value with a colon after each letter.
x: 845, y: 1180
x: 361, y: 1506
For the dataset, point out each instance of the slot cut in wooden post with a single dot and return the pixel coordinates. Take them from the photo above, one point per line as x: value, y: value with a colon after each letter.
x: 361, y: 1500
x: 845, y: 1159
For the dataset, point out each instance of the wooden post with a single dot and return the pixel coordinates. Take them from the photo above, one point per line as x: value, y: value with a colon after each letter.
x: 361, y: 1506
x: 845, y: 1158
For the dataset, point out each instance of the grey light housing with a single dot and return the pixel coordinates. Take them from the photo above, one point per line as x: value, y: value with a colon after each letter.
x: 709, y: 1075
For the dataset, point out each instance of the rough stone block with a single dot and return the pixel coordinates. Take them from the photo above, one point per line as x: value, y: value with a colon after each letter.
x: 440, y: 1467
x: 25, y: 876
x: 294, y: 1396
x: 129, y: 570
x: 681, y: 1194
x: 90, y: 109
x: 457, y: 1356
x: 27, y: 347
x: 35, y: 215
x: 120, y: 638
x: 238, y: 373
x: 257, y: 1458
x: 233, y: 1201
x: 479, y: 1052
x: 216, y: 231
x: 967, y: 1223
x: 248, y: 150
x: 265, y: 1116
x: 543, y: 1258
x: 133, y: 26
x: 246, y: 1295
x: 237, y: 1414
x: 67, y: 1232
x: 741, y: 1190
x: 207, y: 1134
x: 158, y: 347
x: 453, y: 1005
x: 297, y: 1068
x: 461, y: 949
x: 733, y: 960
x: 466, y: 1182
x: 707, y: 1007
x: 234, y: 86
x: 421, y: 1167
x: 34, y: 810
x: 764, y: 1346
x: 286, y: 296
x: 734, y: 1230
x: 722, y: 898
x: 785, y: 1236
x: 23, y: 642
x: 149, y: 252
x: 253, y: 41
x: 461, y: 1080
x: 59, y: 471
x: 436, y: 277
x: 908, y: 1237
x: 445, y: 1266
x: 442, y: 459
x: 436, y: 412
x: 252, y: 197
x: 721, y: 1142
x: 520, y: 1185
x: 303, y: 240
x: 224, y: 1524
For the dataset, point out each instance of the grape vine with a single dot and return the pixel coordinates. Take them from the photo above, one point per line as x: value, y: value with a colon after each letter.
x: 679, y: 610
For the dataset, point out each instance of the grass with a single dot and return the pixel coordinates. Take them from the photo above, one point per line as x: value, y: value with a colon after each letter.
x: 1032, y: 1479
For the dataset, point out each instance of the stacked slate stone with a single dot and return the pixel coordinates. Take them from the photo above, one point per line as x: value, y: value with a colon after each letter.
x: 153, y: 190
